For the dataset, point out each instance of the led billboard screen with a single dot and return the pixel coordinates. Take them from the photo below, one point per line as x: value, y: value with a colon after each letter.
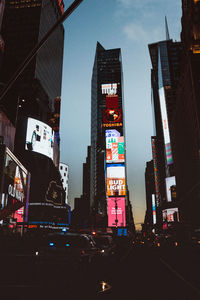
x: 170, y: 215
x: 116, y: 212
x: 116, y: 180
x: 39, y: 137
x: 112, y: 133
x: 109, y: 88
x: 14, y: 186
x: 112, y: 115
x: 170, y: 185
x: 115, y: 149
x: 111, y: 101
x: 154, y: 208
x: 163, y: 108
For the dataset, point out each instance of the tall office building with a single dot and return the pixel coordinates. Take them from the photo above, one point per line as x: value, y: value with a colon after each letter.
x: 187, y: 117
x: 165, y: 58
x: 108, y: 188
x: 24, y: 25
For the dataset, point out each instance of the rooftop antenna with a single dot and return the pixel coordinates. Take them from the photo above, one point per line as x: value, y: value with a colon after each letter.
x: 167, y: 29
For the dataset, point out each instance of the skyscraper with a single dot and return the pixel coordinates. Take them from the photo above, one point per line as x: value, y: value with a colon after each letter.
x: 108, y: 188
x: 24, y: 24
x: 165, y: 58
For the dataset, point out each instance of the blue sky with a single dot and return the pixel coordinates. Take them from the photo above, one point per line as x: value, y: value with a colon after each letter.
x: 130, y: 25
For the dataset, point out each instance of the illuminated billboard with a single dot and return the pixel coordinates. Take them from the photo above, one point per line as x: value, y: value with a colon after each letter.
x: 112, y: 133
x: 116, y: 212
x: 39, y: 137
x: 170, y: 215
x: 116, y: 180
x: 111, y: 101
x: 154, y: 208
x: 155, y: 166
x: 170, y: 187
x: 112, y: 115
x: 14, y: 189
x: 163, y: 108
x: 115, y: 149
x: 109, y: 88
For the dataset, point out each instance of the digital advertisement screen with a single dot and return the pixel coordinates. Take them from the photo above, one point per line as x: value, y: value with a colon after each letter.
x: 112, y: 133
x: 165, y: 126
x: 154, y: 208
x: 170, y: 185
x: 115, y: 149
x: 39, y: 137
x: 112, y: 115
x: 111, y: 101
x: 116, y: 212
x: 14, y: 187
x: 170, y: 215
x: 116, y: 180
x: 109, y: 88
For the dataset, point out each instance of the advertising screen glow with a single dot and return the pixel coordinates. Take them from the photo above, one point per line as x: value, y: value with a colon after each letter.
x: 109, y: 88
x: 39, y: 137
x: 170, y: 215
x: 112, y: 115
x: 116, y: 212
x: 115, y: 149
x: 165, y: 126
x: 116, y: 180
x: 170, y: 184
x: 154, y: 208
x: 112, y: 133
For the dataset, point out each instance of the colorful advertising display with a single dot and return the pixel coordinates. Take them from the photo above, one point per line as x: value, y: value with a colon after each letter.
x: 170, y: 215
x: 14, y: 187
x: 116, y: 212
x: 163, y: 108
x: 112, y: 133
x: 39, y: 137
x: 109, y: 88
x: 170, y: 187
x: 154, y: 208
x: 112, y: 115
x: 116, y: 180
x: 115, y: 149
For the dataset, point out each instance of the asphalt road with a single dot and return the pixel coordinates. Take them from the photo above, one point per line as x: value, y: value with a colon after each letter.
x: 136, y: 273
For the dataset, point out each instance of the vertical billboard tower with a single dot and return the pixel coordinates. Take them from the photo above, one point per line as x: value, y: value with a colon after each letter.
x: 108, y: 192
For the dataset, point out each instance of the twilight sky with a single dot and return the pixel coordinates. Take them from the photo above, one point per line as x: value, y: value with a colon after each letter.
x: 130, y: 25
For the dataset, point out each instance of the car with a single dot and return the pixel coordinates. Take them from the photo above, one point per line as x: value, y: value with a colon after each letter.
x: 71, y: 248
x: 105, y: 243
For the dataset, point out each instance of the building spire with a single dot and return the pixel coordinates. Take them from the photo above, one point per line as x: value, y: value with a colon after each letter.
x: 167, y: 29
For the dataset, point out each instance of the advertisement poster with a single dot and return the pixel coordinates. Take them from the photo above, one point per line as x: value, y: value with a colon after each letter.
x: 111, y: 101
x: 170, y: 215
x: 112, y: 115
x: 170, y: 185
x: 154, y: 208
x: 116, y: 212
x: 116, y: 180
x: 112, y: 133
x: 39, y: 137
x: 115, y: 149
x: 109, y: 88
x: 14, y: 191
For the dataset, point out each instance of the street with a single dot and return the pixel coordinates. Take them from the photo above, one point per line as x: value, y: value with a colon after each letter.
x: 137, y: 272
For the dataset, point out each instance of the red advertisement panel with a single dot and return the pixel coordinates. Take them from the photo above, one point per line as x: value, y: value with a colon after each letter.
x: 111, y: 101
x: 112, y: 115
x: 116, y: 212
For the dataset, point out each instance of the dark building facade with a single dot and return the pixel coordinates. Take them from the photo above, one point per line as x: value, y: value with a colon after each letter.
x: 108, y: 166
x: 35, y: 99
x: 24, y: 24
x: 165, y: 57
x: 150, y: 190
x: 186, y: 120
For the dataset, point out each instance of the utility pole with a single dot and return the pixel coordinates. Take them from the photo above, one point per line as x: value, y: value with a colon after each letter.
x: 34, y: 51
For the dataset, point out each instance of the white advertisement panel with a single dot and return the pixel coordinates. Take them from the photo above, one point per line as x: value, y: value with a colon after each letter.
x: 165, y: 126
x: 169, y: 183
x: 116, y: 180
x: 170, y: 215
x: 154, y: 208
x: 112, y: 133
x: 39, y: 137
x: 109, y: 88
